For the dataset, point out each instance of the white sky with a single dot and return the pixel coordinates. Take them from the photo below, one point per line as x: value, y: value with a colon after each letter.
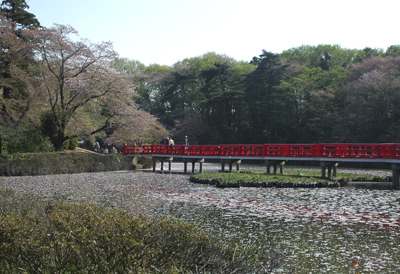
x: 167, y: 31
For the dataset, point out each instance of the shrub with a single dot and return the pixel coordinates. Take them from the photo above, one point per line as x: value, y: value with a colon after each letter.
x: 26, y: 140
x: 73, y: 143
x: 61, y: 162
x: 89, y: 239
x: 142, y: 162
x: 66, y: 144
x: 72, y: 238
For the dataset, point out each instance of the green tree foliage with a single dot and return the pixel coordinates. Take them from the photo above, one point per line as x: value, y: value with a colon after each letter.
x: 26, y: 139
x: 368, y: 53
x: 149, y: 88
x: 15, y: 10
x: 222, y: 103
x: 267, y: 103
x: 49, y: 126
x: 203, y: 98
x: 181, y: 92
x: 316, y: 93
x: 16, y: 65
x: 15, y: 53
x: 317, y: 86
x: 147, y: 81
x: 299, y: 96
x: 128, y: 67
x: 323, y: 56
x: 393, y: 50
x: 73, y: 143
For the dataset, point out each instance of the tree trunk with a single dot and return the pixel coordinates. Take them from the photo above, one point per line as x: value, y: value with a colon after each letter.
x: 59, y: 146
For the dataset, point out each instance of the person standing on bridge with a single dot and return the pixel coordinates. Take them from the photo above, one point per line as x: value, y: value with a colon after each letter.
x: 166, y: 141
x: 171, y: 142
x: 186, y: 142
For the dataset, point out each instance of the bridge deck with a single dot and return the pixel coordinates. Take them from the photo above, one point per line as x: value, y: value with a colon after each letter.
x: 328, y: 155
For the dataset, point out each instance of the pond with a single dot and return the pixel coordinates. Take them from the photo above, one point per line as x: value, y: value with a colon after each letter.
x: 316, y: 230
x: 335, y: 230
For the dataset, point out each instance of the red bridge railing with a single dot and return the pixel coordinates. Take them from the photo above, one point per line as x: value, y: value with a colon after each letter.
x: 362, y: 151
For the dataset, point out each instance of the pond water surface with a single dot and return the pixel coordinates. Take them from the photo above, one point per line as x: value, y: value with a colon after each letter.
x: 325, y: 230
x: 320, y: 230
x: 316, y: 230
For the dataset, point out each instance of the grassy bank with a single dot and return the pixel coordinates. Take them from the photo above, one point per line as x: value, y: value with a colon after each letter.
x: 61, y: 162
x: 293, y: 176
x: 288, y: 179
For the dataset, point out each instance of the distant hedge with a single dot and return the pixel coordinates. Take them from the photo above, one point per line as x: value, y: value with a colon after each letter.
x: 61, y: 162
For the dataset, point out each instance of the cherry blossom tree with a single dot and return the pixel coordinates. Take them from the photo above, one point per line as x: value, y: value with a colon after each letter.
x: 371, y: 112
x: 84, y: 94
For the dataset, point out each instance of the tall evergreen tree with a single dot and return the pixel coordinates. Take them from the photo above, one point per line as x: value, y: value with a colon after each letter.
x: 12, y: 54
x: 15, y: 10
x: 222, y: 101
x: 180, y: 93
x: 15, y: 59
x: 266, y: 102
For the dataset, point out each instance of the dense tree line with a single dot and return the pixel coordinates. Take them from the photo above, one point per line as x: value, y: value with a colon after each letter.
x: 309, y: 94
x: 55, y: 89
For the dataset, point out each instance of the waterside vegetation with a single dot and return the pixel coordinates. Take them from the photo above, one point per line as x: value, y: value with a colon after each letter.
x: 292, y: 178
x: 32, y: 164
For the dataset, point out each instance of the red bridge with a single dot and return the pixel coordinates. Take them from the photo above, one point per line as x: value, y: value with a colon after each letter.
x: 329, y: 155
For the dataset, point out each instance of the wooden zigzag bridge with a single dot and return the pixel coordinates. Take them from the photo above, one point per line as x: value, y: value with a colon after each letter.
x: 276, y: 155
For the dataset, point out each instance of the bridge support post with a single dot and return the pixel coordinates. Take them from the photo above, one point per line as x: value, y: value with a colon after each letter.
x: 230, y: 163
x: 395, y: 176
x: 193, y: 161
x: 161, y: 160
x: 185, y: 166
x: 275, y: 164
x: 330, y: 166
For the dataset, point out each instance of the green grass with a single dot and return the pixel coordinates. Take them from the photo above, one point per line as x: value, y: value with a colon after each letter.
x: 287, y: 176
